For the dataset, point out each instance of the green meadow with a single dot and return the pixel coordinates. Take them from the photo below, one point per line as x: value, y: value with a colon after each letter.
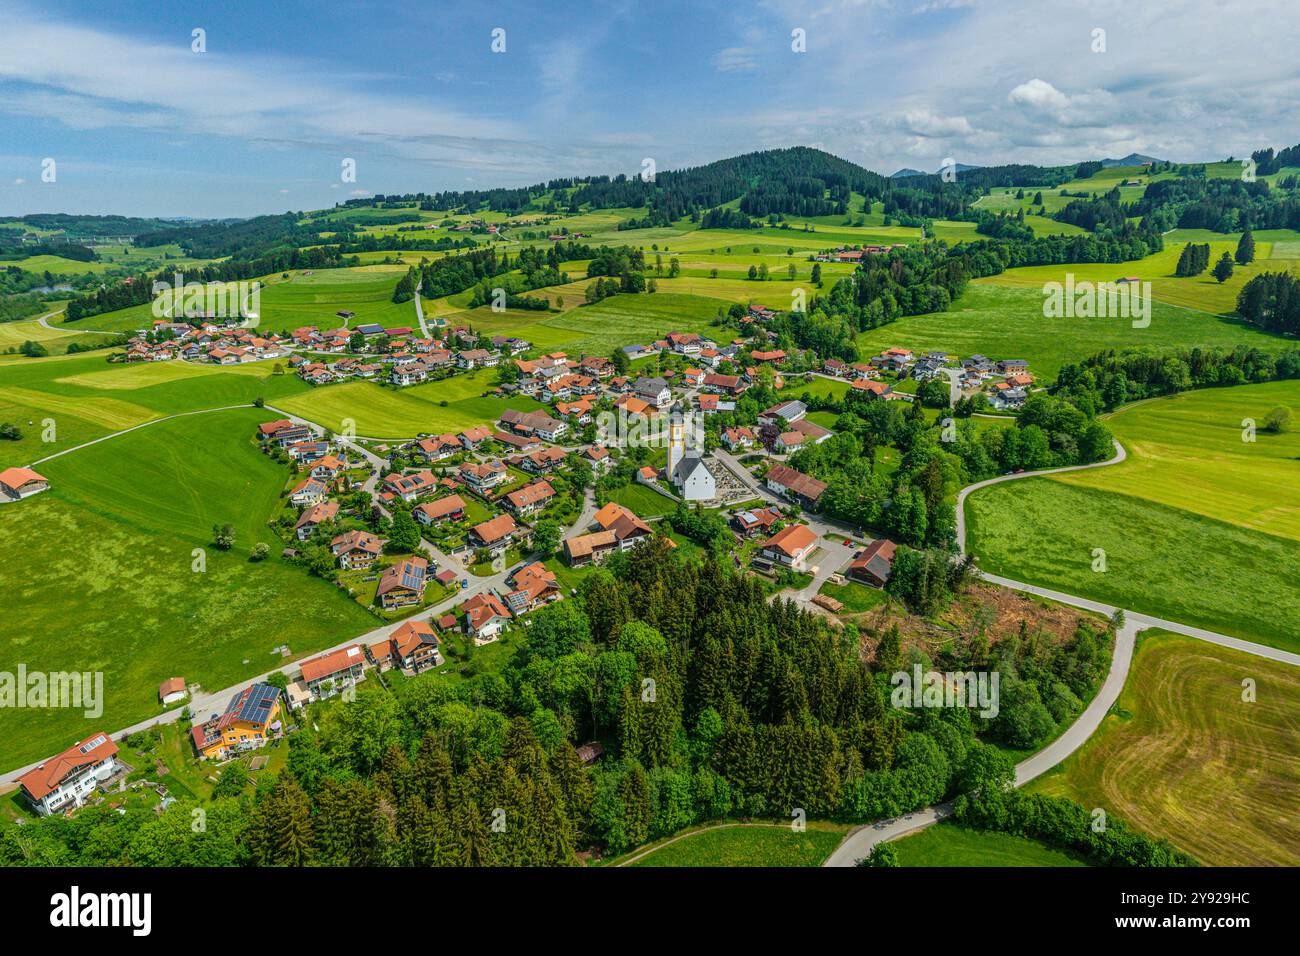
x: 950, y: 844
x: 390, y: 413
x: 1203, y: 292
x: 1005, y: 322
x: 1185, y: 756
x: 1188, y: 451
x: 99, y: 575
x: 1159, y: 560
x: 1198, y: 525
x: 748, y: 845
x: 86, y: 397
x: 602, y: 327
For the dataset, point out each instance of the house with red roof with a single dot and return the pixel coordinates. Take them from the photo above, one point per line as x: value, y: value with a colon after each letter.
x: 328, y: 674
x: 66, y: 780
x: 485, y: 617
x: 18, y: 483
x: 402, y: 584
x: 315, y: 515
x: 790, y: 546
x: 356, y: 550
x: 447, y: 508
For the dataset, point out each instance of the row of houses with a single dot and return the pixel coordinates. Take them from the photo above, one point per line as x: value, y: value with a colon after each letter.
x: 207, y: 342
x: 849, y: 254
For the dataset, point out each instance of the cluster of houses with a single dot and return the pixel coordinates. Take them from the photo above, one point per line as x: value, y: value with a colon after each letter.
x: 855, y: 255
x: 1006, y: 381
x: 225, y: 344
x: 395, y: 355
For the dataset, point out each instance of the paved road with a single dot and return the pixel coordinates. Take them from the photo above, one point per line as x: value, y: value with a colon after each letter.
x: 208, y: 702
x: 954, y: 384
x: 44, y: 321
x: 858, y: 843
x: 419, y: 311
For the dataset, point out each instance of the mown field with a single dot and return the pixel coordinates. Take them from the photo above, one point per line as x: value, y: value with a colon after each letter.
x: 950, y: 844
x: 98, y: 575
x: 1183, y: 756
x: 602, y: 327
x: 1202, y: 292
x: 1188, y: 451
x: 87, y: 398
x: 1005, y: 322
x: 55, y: 340
x: 1160, y: 560
x: 390, y: 413
x: 756, y: 845
x: 305, y: 298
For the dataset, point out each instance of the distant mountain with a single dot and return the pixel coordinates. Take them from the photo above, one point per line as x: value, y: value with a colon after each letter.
x: 1132, y: 159
x: 908, y: 171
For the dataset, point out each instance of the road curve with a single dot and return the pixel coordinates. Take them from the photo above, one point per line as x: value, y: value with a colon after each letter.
x: 859, y: 843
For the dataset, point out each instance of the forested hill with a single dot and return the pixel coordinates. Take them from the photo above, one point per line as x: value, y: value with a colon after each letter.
x: 73, y: 227
x: 796, y: 180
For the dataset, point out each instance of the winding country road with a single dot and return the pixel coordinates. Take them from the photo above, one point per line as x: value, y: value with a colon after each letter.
x: 419, y: 311
x: 859, y: 843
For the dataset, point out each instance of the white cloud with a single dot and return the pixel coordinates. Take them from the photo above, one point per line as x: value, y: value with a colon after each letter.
x: 1039, y: 94
x: 928, y: 124
x: 735, y: 59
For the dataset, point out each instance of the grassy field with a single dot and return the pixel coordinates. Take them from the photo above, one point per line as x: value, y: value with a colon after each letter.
x: 1160, y: 560
x: 950, y: 844
x: 1203, y: 292
x: 855, y: 597
x: 301, y: 299
x: 644, y: 502
x: 98, y: 575
x: 599, y: 328
x: 1184, y: 757
x: 744, y: 845
x: 1009, y: 323
x: 401, y: 413
x: 1187, y: 451
x: 55, y: 340
x: 87, y: 398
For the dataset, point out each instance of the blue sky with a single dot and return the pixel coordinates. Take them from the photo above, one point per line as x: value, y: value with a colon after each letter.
x: 140, y: 124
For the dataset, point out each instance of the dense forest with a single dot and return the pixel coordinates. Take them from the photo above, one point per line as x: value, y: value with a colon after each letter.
x: 710, y: 702
x: 1109, y: 379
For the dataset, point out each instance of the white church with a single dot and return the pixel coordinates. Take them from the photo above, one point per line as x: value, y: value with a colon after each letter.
x: 686, y: 468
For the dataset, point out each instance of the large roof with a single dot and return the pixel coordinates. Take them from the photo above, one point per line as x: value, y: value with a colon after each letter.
x: 17, y: 477
x: 791, y: 540
x: 408, y: 574
x: 332, y: 663
x: 45, y: 779
x: 796, y: 481
x: 495, y: 529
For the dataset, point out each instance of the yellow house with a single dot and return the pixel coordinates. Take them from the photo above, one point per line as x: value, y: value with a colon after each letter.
x: 246, y: 724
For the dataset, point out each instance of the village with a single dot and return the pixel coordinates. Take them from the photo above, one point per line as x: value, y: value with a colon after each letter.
x: 495, y: 521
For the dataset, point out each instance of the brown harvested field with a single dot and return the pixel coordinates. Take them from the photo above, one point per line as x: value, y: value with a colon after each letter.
x: 1184, y: 757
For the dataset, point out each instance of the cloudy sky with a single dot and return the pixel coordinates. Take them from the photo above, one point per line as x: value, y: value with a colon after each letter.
x: 139, y: 123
